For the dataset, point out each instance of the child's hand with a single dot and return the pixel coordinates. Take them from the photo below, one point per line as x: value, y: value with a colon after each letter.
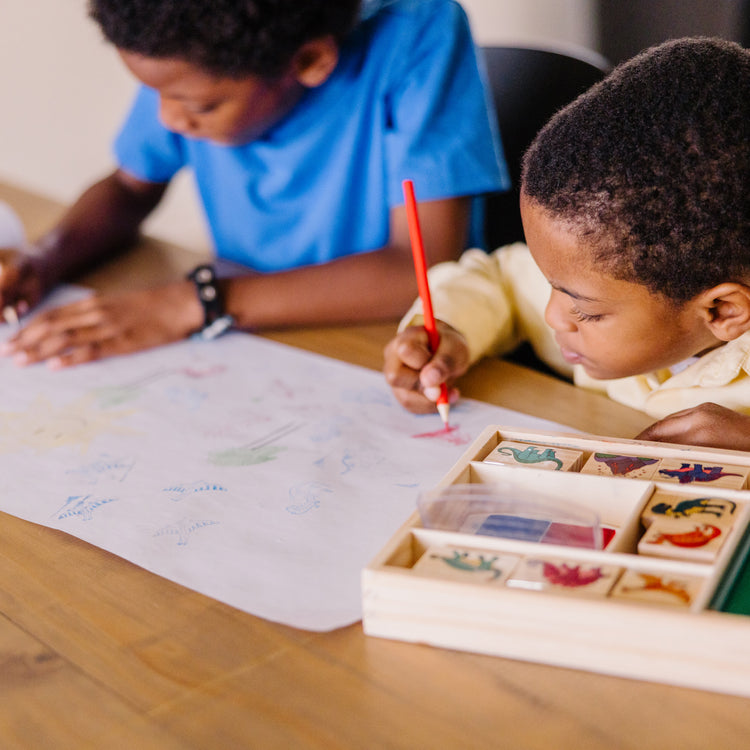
x: 708, y: 424
x: 21, y: 285
x: 415, y: 374
x: 103, y: 326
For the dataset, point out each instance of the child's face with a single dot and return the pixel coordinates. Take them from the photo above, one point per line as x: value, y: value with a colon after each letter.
x: 613, y: 328
x: 223, y: 110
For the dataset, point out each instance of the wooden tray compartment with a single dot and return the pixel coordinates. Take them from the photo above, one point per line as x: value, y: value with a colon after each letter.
x: 691, y: 646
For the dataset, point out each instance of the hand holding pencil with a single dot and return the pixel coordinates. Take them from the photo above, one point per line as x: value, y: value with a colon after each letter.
x: 416, y: 374
x: 20, y: 284
x: 14, y: 270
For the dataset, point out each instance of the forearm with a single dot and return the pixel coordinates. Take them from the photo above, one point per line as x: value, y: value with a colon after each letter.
x: 103, y: 221
x: 372, y: 286
x: 377, y: 285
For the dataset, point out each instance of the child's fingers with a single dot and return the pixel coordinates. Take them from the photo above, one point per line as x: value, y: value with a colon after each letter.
x: 50, y: 328
x: 403, y: 377
x: 414, y: 401
x: 433, y: 393
x: 403, y: 358
x: 706, y: 424
x: 434, y: 373
x: 450, y: 361
x: 397, y: 375
x: 411, y: 346
x: 410, y: 365
x: 67, y: 345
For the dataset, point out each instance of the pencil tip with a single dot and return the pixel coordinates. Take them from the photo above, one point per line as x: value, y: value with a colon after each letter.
x: 443, y: 411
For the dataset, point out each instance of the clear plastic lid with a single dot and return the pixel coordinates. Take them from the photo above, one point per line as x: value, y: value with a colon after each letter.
x: 510, y: 512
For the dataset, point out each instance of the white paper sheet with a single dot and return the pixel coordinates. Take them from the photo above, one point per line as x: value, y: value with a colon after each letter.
x: 255, y: 473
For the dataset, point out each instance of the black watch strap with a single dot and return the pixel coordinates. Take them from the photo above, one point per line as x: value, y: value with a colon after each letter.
x: 215, y: 320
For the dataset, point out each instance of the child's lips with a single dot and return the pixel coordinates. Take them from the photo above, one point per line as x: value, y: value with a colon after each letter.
x: 570, y: 356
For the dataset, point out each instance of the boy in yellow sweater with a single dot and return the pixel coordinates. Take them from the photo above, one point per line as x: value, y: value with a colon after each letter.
x: 637, y: 219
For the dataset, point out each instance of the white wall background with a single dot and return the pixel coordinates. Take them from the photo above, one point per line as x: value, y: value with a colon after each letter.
x: 63, y: 93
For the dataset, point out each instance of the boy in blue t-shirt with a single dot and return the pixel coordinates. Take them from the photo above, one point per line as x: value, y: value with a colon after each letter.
x: 299, y: 122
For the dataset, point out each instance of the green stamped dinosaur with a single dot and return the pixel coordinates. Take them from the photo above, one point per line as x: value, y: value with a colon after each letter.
x: 531, y: 455
x: 471, y: 563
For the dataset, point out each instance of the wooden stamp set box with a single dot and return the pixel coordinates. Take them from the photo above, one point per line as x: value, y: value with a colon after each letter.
x: 579, y: 551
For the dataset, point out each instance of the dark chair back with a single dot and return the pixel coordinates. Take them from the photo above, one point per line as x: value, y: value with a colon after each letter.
x: 528, y: 86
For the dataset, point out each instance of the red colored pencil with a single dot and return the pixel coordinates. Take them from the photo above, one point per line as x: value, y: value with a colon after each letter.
x: 420, y: 267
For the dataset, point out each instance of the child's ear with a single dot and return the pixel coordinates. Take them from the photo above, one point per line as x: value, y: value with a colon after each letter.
x: 726, y: 309
x: 315, y: 60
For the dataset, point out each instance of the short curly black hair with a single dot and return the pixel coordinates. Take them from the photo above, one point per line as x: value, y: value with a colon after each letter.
x: 650, y: 167
x: 231, y: 38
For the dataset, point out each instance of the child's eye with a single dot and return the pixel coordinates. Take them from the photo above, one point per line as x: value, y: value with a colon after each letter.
x: 585, y: 317
x: 204, y: 109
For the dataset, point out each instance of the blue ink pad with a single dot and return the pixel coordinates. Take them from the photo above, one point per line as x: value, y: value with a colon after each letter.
x: 507, y: 511
x: 514, y: 527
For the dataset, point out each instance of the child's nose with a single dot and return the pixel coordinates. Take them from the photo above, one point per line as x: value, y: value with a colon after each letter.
x: 557, y: 313
x: 174, y: 117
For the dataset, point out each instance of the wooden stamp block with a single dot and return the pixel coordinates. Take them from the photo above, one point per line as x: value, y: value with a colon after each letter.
x: 564, y: 576
x: 538, y: 455
x: 669, y: 506
x: 715, y: 475
x: 685, y: 539
x: 657, y: 588
x: 619, y: 465
x: 467, y: 565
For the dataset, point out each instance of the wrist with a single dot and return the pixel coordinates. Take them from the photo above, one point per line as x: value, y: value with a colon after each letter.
x: 44, y: 257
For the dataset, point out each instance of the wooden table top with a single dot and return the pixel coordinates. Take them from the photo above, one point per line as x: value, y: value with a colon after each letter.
x: 98, y: 653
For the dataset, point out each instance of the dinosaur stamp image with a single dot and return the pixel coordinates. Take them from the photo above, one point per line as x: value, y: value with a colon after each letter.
x: 564, y: 576
x: 549, y: 457
x: 620, y: 465
x: 467, y: 565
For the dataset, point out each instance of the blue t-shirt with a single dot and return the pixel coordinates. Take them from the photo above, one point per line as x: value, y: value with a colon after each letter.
x: 406, y: 100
